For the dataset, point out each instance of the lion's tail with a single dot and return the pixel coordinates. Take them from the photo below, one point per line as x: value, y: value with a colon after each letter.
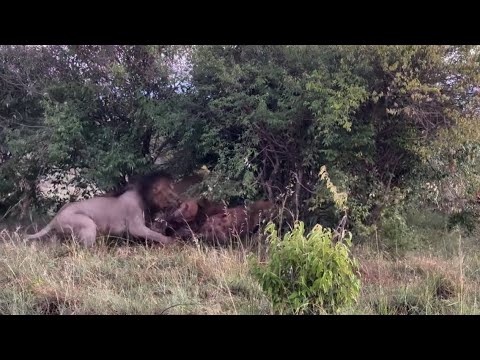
x: 41, y: 233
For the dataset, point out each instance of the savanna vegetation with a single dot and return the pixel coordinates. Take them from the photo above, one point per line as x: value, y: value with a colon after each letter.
x: 384, y: 137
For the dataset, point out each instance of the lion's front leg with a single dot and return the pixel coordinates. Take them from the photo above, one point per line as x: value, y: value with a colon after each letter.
x: 143, y: 232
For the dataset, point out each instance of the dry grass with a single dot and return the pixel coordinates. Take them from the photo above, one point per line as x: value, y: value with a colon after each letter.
x: 124, y: 279
x: 418, y: 283
x: 43, y: 278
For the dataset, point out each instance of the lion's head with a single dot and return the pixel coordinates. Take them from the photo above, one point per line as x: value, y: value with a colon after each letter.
x: 156, y: 190
x: 187, y: 211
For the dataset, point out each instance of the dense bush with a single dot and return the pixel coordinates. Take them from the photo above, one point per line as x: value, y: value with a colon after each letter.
x: 391, y: 123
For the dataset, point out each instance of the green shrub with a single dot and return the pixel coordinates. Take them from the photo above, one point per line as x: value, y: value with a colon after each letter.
x: 464, y: 220
x: 395, y: 233
x: 308, y: 274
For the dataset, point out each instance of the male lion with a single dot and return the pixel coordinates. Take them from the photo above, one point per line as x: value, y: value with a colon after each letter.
x: 117, y: 213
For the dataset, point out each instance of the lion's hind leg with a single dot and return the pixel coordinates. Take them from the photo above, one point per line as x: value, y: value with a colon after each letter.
x: 81, y: 226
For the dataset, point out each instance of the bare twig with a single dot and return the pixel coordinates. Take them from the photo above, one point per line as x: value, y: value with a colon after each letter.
x: 170, y: 307
x: 339, y: 232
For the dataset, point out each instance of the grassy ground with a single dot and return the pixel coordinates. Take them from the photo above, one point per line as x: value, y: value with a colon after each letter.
x: 124, y: 279
x: 137, y: 279
x: 418, y: 283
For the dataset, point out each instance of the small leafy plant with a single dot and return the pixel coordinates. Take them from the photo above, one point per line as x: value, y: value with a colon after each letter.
x: 308, y: 274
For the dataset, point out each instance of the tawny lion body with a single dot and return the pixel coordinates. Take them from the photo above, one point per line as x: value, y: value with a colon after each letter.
x: 215, y: 223
x: 238, y: 221
x: 187, y: 219
x: 117, y: 214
